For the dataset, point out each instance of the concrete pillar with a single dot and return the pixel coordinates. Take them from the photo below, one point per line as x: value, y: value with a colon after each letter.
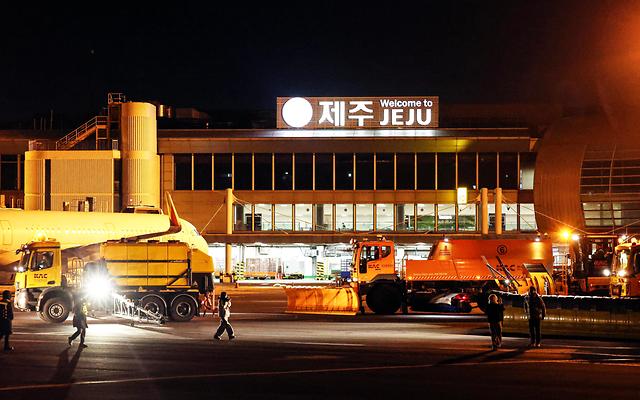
x: 228, y: 256
x: 498, y: 201
x: 484, y: 207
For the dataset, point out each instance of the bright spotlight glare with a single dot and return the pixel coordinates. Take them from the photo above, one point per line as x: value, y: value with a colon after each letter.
x: 606, y: 272
x: 575, y: 237
x: 622, y: 273
x: 98, y: 287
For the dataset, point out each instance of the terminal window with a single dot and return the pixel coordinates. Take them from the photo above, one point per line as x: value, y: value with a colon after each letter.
x: 405, y: 171
x: 508, y: 170
x: 202, y: 171
x: 182, y: 171
x: 9, y: 172
x: 384, y: 171
x: 262, y: 171
x: 364, y: 171
x: 344, y: 171
x: 283, y: 171
x: 242, y: 171
x: 303, y: 171
x: 446, y: 171
x: 426, y: 171
x: 324, y: 171
x: 487, y: 170
x: 222, y: 171
x: 467, y: 170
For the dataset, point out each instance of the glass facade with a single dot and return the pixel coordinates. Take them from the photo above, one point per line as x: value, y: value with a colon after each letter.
x: 368, y: 171
x: 419, y: 217
x: 380, y: 171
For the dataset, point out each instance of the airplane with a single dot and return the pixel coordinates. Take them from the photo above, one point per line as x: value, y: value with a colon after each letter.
x: 79, y: 232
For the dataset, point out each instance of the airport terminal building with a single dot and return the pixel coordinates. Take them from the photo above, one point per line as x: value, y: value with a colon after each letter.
x: 333, y: 169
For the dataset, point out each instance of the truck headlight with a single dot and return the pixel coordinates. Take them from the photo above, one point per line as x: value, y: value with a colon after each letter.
x: 98, y: 287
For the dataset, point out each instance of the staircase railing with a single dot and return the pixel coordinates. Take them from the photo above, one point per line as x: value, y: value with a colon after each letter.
x: 81, y: 132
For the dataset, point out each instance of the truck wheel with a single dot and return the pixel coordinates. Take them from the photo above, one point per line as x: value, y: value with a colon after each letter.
x: 55, y: 310
x: 183, y: 308
x: 154, y: 304
x: 384, y: 299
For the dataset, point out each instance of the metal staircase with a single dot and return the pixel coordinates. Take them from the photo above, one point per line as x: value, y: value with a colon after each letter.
x: 97, y: 125
x: 102, y: 127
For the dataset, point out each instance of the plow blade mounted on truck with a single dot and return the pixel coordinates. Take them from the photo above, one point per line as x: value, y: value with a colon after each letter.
x: 322, y: 300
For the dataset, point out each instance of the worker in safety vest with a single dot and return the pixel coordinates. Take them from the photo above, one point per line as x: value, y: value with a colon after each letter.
x: 6, y: 316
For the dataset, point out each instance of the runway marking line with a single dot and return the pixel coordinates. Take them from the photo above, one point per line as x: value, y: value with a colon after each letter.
x: 328, y: 344
x: 295, y: 372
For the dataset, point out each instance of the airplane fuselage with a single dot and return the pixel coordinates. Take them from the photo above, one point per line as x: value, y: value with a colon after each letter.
x: 76, y: 229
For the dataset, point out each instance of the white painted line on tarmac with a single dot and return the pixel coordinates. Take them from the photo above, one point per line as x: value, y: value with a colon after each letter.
x: 328, y: 344
x: 291, y: 372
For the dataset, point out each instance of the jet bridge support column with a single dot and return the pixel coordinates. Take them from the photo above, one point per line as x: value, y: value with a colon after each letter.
x: 228, y: 255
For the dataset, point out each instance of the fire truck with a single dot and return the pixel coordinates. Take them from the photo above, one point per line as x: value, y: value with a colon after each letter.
x: 465, y: 270
x: 162, y: 279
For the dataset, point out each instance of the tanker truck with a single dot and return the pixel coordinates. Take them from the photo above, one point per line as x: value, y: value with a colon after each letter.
x: 163, y: 279
x: 456, y: 267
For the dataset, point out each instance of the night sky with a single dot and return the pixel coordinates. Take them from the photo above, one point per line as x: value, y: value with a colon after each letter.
x: 214, y: 56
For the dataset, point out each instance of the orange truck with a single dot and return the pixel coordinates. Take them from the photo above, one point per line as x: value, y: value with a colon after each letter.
x: 460, y: 271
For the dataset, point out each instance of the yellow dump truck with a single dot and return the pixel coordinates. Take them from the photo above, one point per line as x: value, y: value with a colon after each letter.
x: 457, y: 271
x: 163, y: 278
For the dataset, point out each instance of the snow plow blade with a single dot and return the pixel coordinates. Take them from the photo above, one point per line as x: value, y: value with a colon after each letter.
x: 322, y: 300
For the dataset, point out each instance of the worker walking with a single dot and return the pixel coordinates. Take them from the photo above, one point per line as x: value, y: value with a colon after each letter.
x: 6, y: 318
x: 224, y: 311
x: 495, y: 316
x: 537, y: 311
x: 79, y: 321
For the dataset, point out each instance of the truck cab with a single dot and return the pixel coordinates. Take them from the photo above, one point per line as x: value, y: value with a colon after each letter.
x: 40, y: 279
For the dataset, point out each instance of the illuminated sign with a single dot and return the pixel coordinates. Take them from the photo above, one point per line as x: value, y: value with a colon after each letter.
x: 357, y: 112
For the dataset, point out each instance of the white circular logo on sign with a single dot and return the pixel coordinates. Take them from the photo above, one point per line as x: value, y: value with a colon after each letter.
x: 297, y: 112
